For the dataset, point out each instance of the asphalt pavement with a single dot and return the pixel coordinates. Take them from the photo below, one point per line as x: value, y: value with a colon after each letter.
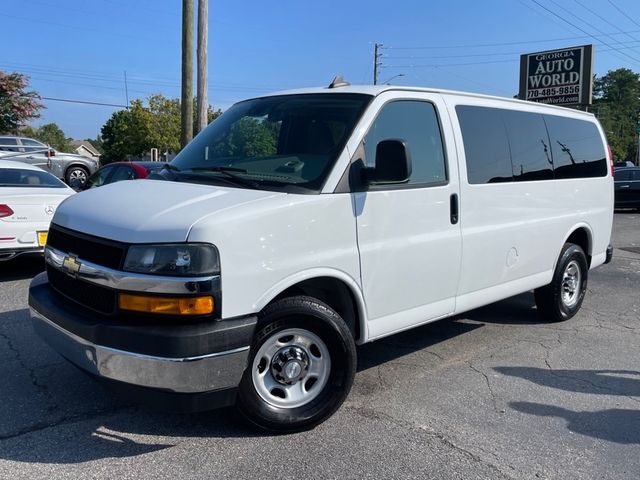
x: 495, y: 393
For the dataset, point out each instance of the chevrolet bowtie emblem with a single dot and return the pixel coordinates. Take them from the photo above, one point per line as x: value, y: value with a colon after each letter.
x: 71, y: 264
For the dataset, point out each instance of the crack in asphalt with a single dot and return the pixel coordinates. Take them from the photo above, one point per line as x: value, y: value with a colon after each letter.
x: 488, y: 383
x: 423, y: 429
x: 51, y: 404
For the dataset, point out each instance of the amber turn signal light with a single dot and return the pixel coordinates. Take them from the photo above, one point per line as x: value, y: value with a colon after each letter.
x: 166, y: 305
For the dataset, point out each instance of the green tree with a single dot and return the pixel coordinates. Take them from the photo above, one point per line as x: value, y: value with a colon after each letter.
x: 133, y: 132
x: 51, y: 134
x: 17, y: 104
x: 617, y: 106
x: 248, y: 137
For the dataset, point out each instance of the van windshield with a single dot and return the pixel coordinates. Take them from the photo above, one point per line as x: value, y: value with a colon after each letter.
x: 287, y: 142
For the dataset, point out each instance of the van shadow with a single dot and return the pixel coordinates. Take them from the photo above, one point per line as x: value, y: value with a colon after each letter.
x: 518, y: 310
x: 615, y: 425
x: 121, y: 430
x: 21, y: 268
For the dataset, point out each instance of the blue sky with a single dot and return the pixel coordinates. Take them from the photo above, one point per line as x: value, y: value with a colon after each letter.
x: 77, y: 49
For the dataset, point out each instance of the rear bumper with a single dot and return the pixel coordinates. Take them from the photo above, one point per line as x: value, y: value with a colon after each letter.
x: 177, y: 359
x: 609, y: 254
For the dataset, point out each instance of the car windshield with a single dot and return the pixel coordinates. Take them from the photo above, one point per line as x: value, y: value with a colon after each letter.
x: 18, y: 177
x: 287, y: 142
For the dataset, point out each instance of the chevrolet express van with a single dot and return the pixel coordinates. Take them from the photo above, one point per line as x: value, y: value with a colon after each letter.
x: 301, y: 224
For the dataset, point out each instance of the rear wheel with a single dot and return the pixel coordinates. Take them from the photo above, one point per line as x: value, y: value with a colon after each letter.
x: 562, y: 298
x: 301, y: 366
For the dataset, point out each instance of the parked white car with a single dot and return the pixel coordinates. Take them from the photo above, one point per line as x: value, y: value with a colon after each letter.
x: 300, y: 224
x: 29, y: 197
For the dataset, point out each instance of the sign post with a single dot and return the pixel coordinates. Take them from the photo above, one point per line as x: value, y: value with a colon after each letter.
x: 558, y: 77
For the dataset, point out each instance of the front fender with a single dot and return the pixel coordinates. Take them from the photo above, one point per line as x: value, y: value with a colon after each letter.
x: 288, y: 282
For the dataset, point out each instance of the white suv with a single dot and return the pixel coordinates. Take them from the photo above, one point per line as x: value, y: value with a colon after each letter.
x: 69, y: 167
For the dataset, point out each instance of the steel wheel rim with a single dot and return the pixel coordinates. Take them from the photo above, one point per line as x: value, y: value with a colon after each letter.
x: 571, y: 284
x: 311, y: 381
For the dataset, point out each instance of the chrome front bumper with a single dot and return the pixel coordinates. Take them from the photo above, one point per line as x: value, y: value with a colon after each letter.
x: 199, y: 374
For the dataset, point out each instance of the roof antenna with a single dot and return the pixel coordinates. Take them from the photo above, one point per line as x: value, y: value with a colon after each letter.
x: 339, y: 81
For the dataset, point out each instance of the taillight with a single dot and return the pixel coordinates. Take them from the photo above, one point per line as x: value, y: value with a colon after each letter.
x: 613, y: 168
x: 5, y: 211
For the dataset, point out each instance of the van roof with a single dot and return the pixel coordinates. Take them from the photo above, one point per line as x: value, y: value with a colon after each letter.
x: 375, y: 90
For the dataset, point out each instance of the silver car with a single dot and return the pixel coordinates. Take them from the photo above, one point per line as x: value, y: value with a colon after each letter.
x: 69, y: 167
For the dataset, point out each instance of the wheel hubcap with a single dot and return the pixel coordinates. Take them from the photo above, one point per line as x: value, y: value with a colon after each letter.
x: 78, y: 175
x: 290, y: 365
x: 291, y: 368
x: 571, y: 284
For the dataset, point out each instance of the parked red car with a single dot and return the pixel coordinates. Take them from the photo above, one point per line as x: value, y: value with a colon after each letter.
x: 117, y: 171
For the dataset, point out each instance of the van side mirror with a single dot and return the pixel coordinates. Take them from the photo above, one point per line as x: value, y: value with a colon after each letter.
x: 393, y: 163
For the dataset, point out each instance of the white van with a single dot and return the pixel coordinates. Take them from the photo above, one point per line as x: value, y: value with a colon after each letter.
x: 300, y: 224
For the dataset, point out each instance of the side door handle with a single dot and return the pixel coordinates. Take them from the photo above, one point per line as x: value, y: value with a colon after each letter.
x: 453, y: 205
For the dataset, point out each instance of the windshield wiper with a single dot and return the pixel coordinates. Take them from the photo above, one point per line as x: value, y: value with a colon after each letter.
x: 230, y: 173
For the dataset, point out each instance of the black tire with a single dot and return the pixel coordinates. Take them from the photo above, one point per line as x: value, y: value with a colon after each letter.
x: 303, y: 314
x: 76, y: 175
x: 562, y: 298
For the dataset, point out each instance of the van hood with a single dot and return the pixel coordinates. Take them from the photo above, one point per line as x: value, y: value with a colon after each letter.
x: 145, y: 211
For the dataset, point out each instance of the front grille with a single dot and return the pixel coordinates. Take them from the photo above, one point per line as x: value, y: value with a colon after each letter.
x: 89, y: 295
x: 92, y: 249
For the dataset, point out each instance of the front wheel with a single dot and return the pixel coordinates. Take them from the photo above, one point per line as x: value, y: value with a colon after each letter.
x: 301, y: 366
x: 561, y: 299
x: 76, y: 177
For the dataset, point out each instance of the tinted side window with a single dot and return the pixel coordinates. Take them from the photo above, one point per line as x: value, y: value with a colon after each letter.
x: 8, y: 144
x: 123, y: 172
x: 32, y: 143
x: 416, y: 123
x: 98, y: 178
x: 529, y: 145
x: 622, y: 175
x: 576, y: 147
x: 485, y: 144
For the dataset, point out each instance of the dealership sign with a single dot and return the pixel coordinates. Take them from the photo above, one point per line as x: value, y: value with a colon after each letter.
x: 557, y: 77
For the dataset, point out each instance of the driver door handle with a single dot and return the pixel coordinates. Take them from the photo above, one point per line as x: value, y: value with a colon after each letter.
x: 453, y: 205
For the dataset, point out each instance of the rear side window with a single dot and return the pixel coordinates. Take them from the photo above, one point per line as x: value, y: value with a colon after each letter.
x: 529, y: 145
x: 8, y: 144
x: 485, y: 144
x: 417, y: 124
x: 505, y: 145
x: 18, y: 177
x: 577, y: 148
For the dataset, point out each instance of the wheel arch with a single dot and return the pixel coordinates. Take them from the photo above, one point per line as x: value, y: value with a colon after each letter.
x: 581, y: 235
x: 335, y: 288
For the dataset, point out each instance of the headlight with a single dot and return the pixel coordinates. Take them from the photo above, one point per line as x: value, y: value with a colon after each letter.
x: 173, y: 259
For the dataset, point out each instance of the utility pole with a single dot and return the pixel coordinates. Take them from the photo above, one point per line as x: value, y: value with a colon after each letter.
x: 126, y: 88
x: 186, y: 100
x: 201, y: 85
x: 376, y: 62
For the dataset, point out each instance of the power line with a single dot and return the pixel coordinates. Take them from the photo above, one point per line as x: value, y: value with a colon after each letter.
x: 624, y: 14
x: 86, y: 102
x: 581, y: 29
x: 635, y: 43
x: 604, y: 19
x: 502, y: 44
